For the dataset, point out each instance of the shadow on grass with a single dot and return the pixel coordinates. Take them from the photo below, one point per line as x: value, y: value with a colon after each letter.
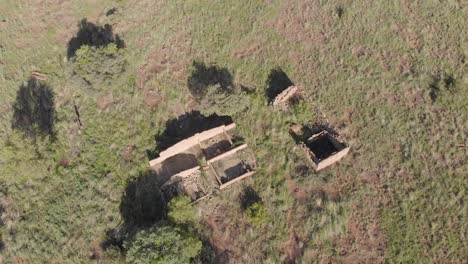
x: 301, y: 133
x: 184, y: 127
x: 277, y: 82
x: 142, y: 202
x: 142, y: 205
x: 93, y: 35
x: 203, y: 76
x: 248, y: 197
x: 439, y: 83
x: 34, y: 110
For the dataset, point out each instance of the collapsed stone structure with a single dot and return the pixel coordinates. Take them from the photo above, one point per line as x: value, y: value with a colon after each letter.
x: 209, y: 160
x: 321, y: 147
x: 287, y: 98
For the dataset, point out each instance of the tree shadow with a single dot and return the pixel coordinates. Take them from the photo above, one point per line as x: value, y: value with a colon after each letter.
x: 142, y: 205
x: 34, y: 110
x: 184, y: 127
x: 93, y: 35
x: 277, y: 82
x: 248, y: 197
x: 142, y: 202
x: 203, y: 76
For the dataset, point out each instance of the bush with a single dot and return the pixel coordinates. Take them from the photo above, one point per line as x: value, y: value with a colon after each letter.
x: 99, y: 65
x: 217, y: 101
x: 181, y: 211
x: 257, y: 214
x: 163, y: 244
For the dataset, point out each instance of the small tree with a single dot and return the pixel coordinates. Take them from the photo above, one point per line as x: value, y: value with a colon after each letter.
x: 163, y: 245
x: 181, y: 211
x: 257, y: 214
x: 216, y: 100
x: 98, y: 65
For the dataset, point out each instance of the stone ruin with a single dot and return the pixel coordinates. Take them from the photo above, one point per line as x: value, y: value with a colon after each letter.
x: 209, y: 160
x: 232, y: 166
x: 287, y: 98
x: 321, y: 147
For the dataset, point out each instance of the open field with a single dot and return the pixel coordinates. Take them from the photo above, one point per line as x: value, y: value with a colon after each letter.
x: 390, y: 76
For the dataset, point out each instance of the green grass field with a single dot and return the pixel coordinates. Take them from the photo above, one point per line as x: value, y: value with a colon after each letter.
x: 390, y: 76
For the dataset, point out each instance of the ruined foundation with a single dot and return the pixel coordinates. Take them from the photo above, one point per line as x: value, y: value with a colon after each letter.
x: 188, y: 182
x: 322, y: 148
x: 232, y: 166
x: 206, y: 161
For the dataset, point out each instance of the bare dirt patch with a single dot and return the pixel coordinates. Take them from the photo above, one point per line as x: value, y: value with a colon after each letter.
x: 364, y: 242
x: 43, y: 14
x: 252, y: 49
x: 127, y: 152
x: 105, y: 101
x: 152, y: 98
x: 221, y: 238
x: 304, y: 21
x: 292, y: 248
x: 298, y: 192
x: 169, y: 58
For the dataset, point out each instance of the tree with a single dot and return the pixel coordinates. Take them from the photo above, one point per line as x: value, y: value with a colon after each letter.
x: 164, y: 244
x: 99, y: 65
x: 181, y: 211
x: 217, y: 101
x: 257, y: 214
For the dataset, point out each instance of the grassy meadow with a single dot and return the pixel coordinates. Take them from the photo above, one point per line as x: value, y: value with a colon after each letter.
x: 389, y: 76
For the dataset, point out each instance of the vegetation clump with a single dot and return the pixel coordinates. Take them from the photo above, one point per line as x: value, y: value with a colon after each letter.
x: 257, y: 214
x: 163, y: 244
x: 181, y: 211
x: 215, y: 90
x: 99, y: 65
x: 218, y: 101
x: 173, y: 241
